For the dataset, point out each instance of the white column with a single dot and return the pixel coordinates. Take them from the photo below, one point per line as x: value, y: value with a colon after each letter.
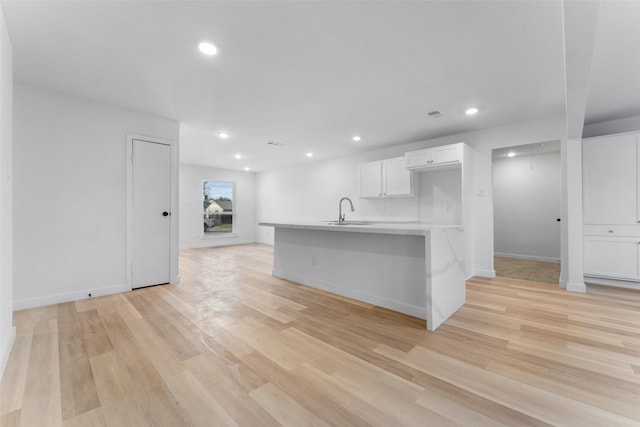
x: 571, y: 274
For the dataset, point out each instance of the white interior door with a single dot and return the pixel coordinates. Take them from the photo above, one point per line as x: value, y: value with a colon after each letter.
x: 151, y: 192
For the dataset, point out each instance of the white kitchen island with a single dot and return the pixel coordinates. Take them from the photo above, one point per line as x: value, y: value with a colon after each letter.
x: 415, y: 269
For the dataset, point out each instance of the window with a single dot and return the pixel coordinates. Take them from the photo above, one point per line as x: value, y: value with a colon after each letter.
x: 217, y: 207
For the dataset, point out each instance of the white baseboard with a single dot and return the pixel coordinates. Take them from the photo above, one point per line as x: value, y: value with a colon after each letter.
x: 576, y: 287
x: 612, y: 282
x: 7, y: 345
x: 214, y: 242
x: 526, y: 257
x: 485, y: 273
x: 69, y: 296
x: 412, y: 310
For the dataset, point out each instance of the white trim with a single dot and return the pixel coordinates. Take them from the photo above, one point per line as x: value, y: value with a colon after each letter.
x: 527, y: 257
x: 173, y: 268
x: 627, y: 284
x: 209, y: 243
x: 576, y: 287
x: 6, y: 350
x: 219, y: 235
x: 69, y: 296
x: 411, y: 310
x: 485, y: 273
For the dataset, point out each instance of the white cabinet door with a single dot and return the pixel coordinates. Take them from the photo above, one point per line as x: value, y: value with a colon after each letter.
x: 437, y: 158
x: 614, y: 257
x: 610, y: 170
x: 418, y: 158
x: 396, y: 178
x: 371, y: 179
x: 445, y: 154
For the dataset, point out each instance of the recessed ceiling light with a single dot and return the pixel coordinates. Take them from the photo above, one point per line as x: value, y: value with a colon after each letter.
x: 238, y: 156
x: 511, y: 154
x: 309, y: 154
x: 247, y: 169
x: 223, y: 135
x: 356, y: 138
x: 471, y: 111
x: 208, y: 48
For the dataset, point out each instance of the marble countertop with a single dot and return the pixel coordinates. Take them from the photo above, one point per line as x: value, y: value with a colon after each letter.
x: 411, y: 228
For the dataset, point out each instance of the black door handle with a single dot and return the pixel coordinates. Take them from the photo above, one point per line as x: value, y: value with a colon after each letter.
x: 165, y: 213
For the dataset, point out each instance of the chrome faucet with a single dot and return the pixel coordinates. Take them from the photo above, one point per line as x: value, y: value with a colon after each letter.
x: 340, y: 214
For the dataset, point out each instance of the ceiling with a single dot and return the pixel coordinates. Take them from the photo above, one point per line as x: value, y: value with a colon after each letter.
x: 309, y: 75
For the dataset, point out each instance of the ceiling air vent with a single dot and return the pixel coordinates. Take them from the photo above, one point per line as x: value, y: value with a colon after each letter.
x: 275, y: 143
x: 434, y: 113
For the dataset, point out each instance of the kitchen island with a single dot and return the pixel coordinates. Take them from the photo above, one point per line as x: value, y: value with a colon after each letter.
x: 415, y: 269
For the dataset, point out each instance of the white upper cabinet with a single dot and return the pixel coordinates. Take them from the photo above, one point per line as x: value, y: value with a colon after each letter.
x: 611, y: 179
x: 385, y: 178
x: 371, y: 179
x: 437, y: 158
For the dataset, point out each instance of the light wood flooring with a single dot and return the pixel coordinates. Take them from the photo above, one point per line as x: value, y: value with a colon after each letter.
x: 232, y: 345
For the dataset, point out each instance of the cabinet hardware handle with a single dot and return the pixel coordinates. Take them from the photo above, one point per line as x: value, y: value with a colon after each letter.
x: 610, y: 231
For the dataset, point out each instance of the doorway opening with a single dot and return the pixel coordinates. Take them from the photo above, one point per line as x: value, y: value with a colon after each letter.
x: 527, y: 207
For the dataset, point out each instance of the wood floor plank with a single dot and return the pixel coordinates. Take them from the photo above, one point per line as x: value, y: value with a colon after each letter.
x: 42, y: 389
x: 92, y: 418
x: 116, y: 391
x: 232, y: 397
x: 231, y: 345
x: 203, y: 409
x: 515, y: 394
x: 142, y: 373
x: 316, y: 400
x: 77, y: 386
x: 10, y: 418
x: 284, y: 408
x: 14, y: 379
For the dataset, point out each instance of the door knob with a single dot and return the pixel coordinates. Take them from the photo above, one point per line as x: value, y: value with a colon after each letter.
x: 165, y: 213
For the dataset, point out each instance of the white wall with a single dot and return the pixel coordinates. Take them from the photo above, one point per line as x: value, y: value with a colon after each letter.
x: 440, y: 197
x: 527, y: 202
x: 70, y: 194
x: 311, y: 192
x: 191, y: 230
x: 7, y: 331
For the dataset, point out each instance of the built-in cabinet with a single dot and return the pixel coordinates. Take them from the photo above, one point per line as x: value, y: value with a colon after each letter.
x: 437, y: 158
x: 611, y: 206
x: 399, y: 177
x: 386, y: 178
